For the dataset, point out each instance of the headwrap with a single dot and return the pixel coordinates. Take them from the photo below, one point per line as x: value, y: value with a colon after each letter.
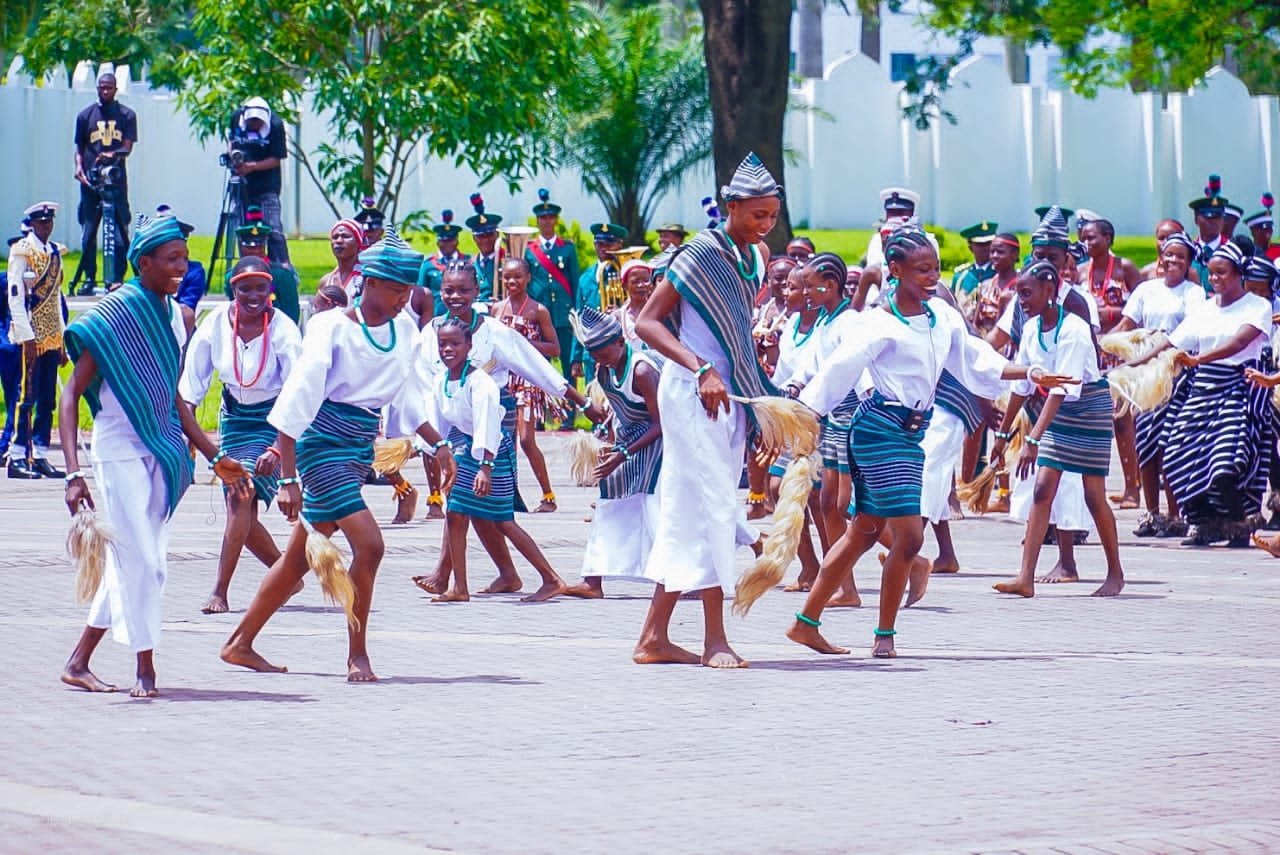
x: 150, y: 233
x: 594, y: 328
x: 1234, y: 254
x: 634, y: 264
x: 1052, y: 230
x: 1181, y: 239
x: 392, y: 258
x: 350, y: 225
x: 1259, y: 268
x: 751, y: 180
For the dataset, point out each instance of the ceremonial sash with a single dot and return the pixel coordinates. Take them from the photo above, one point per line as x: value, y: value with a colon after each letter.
x: 46, y: 305
x: 130, y: 336
x: 555, y: 272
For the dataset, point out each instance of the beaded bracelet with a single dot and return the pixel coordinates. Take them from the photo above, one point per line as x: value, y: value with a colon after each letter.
x: 71, y: 476
x: 703, y: 369
x: 286, y: 482
x: 1005, y: 435
x: 488, y: 463
x: 626, y: 454
x: 1033, y: 442
x: 435, y: 448
x: 213, y: 461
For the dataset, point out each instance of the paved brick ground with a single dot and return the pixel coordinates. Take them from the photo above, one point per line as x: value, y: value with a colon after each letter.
x: 1062, y: 724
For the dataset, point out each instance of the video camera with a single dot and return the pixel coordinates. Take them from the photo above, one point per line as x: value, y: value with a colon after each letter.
x: 244, y: 146
x: 105, y: 175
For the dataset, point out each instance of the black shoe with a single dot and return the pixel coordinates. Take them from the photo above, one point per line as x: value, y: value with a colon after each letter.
x: 88, y: 289
x: 1150, y: 525
x: 45, y: 468
x: 19, y: 469
x: 1174, y: 528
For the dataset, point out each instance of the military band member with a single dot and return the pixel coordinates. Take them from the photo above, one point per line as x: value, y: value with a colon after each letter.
x: 608, y: 239
x: 671, y: 234
x: 554, y: 262
x: 445, y: 256
x: 484, y: 231
x: 970, y: 275
x: 253, y: 238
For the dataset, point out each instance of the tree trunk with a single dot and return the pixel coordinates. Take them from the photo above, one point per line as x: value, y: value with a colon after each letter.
x: 748, y: 50
x: 1015, y: 61
x: 869, y: 35
x: 809, y: 38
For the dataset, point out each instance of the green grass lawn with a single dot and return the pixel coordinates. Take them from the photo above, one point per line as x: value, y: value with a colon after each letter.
x: 312, y: 258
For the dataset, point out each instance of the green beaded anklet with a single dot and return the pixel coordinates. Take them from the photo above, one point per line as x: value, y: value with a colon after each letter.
x: 885, y: 633
x: 813, y: 623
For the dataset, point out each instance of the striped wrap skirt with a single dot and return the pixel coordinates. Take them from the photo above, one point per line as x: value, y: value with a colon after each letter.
x: 887, y: 462
x: 833, y: 442
x: 1217, y: 439
x: 508, y: 401
x: 246, y: 434
x: 1079, y: 437
x: 335, y: 455
x: 499, y: 505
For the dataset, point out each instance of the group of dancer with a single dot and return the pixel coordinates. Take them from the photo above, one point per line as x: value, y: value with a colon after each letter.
x: 712, y: 338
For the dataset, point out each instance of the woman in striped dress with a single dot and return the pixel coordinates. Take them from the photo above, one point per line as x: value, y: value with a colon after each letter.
x: 1073, y: 426
x: 252, y: 347
x: 465, y: 404
x: 1219, y: 429
x: 1160, y: 304
x: 626, y: 512
x: 904, y: 345
x: 354, y: 363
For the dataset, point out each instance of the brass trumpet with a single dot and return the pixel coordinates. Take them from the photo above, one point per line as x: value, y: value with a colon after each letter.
x: 514, y: 241
x: 609, y: 276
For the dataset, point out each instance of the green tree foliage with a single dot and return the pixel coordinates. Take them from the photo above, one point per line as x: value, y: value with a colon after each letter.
x: 1163, y: 45
x: 647, y: 119
x: 122, y: 32
x: 396, y: 79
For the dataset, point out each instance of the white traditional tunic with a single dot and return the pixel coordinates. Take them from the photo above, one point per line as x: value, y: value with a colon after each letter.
x: 511, y: 352
x: 132, y: 496
x: 474, y: 409
x: 215, y: 347
x: 1153, y: 305
x: 1209, y: 326
x: 339, y: 364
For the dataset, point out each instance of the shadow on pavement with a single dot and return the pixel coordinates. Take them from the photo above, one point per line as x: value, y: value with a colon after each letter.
x: 490, y: 679
x: 229, y: 695
x: 835, y: 663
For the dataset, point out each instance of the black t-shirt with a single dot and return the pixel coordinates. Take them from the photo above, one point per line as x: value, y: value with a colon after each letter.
x: 257, y: 147
x: 104, y: 128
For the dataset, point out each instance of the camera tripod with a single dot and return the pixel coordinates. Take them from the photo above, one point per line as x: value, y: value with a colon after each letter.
x: 107, y: 198
x: 230, y: 216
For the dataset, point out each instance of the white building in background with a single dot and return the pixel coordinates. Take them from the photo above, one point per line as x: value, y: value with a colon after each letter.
x: 904, y: 41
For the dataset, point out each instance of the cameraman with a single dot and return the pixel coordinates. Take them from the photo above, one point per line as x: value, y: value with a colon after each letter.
x: 255, y: 147
x: 105, y: 134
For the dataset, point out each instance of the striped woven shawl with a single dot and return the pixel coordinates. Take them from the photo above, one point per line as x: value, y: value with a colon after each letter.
x: 705, y: 272
x: 130, y: 336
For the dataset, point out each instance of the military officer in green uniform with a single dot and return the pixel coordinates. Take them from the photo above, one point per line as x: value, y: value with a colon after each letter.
x: 554, y: 263
x: 484, y: 231
x: 446, y: 256
x: 608, y: 238
x: 968, y: 276
x: 252, y: 237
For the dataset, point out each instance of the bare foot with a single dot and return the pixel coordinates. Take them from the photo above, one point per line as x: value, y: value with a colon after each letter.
x: 1271, y: 545
x: 722, y: 657
x: 145, y: 687
x: 216, y: 605
x: 948, y: 566
x: 798, y: 585
x: 845, y: 600
x: 434, y: 512
x: 1058, y: 575
x: 757, y: 511
x: 546, y: 506
x: 1126, y: 502
x: 660, y: 653
x: 1017, y: 586
x: 953, y: 503
x: 406, y: 507
x: 882, y: 647
x: 360, y: 671
x: 583, y: 590
x: 83, y: 678
x: 432, y: 584
x: 1109, y: 588
x: 503, y: 585
x: 998, y: 505
x: 545, y: 592
x: 802, y: 633
x: 453, y: 596
x: 247, y: 657
x: 918, y: 580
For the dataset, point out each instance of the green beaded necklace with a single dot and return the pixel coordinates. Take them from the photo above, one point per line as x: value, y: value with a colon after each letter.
x: 626, y: 364
x: 391, y: 345
x: 1057, y: 331
x: 933, y: 319
x: 462, y: 381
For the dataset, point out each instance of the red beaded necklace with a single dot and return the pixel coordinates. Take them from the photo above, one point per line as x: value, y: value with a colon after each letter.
x: 235, y: 355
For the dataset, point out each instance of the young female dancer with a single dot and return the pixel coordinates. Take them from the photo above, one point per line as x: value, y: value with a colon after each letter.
x: 252, y: 347
x: 626, y: 512
x: 531, y: 320
x: 354, y: 363
x: 904, y: 345
x: 1073, y: 424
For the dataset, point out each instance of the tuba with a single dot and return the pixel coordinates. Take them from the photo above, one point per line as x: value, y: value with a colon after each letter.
x: 514, y: 241
x: 609, y: 276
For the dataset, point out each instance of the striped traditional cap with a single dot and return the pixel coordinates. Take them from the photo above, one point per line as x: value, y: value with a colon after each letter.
x: 1180, y: 239
x: 751, y: 181
x: 1052, y: 230
x: 149, y: 233
x: 392, y: 258
x: 1232, y: 252
x: 347, y: 224
x: 594, y: 328
x: 1260, y: 269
